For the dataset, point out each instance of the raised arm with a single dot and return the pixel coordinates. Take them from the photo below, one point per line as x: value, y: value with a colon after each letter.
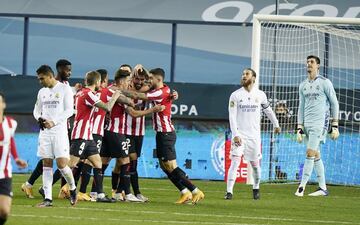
x: 134, y: 95
x: 137, y: 113
x: 109, y: 105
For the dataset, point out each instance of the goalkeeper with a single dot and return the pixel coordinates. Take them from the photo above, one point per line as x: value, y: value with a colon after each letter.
x: 316, y: 97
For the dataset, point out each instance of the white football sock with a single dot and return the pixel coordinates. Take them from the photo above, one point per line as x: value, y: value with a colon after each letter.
x: 320, y: 172
x: 307, y: 170
x: 68, y: 176
x: 231, y: 178
x: 256, y: 174
x: 47, y: 182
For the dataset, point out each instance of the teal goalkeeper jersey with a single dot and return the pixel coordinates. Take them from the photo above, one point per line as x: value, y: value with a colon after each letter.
x: 317, y: 102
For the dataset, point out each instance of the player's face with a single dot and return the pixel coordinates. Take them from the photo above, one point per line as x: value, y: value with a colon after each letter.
x: 2, y: 105
x: 312, y: 66
x: 97, y: 84
x: 105, y: 83
x: 64, y: 72
x: 44, y: 79
x: 247, y: 78
x: 138, y: 81
x: 125, y: 83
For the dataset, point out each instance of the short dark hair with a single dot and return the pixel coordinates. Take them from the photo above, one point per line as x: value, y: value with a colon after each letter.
x: 317, y: 59
x: 91, y: 77
x: 62, y: 62
x: 158, y: 71
x: 120, y: 74
x: 103, y: 73
x: 126, y: 65
x: 45, y: 69
x: 252, y: 71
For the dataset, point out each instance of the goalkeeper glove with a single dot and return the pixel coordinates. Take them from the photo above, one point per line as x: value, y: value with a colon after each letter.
x: 334, y: 130
x: 41, y: 123
x: 299, y: 133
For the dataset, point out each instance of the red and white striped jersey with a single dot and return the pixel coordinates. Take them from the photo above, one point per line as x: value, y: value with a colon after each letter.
x: 99, y: 115
x: 136, y: 126
x: 162, y: 120
x: 117, y: 119
x: 7, y: 146
x: 83, y: 123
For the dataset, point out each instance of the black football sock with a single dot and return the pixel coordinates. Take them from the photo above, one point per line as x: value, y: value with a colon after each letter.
x: 134, y: 178
x: 36, y: 173
x: 85, y: 177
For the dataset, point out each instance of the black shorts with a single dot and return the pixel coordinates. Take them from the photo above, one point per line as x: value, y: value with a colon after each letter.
x: 98, y: 141
x: 136, y: 143
x: 115, y: 145
x: 165, y: 145
x: 83, y: 148
x: 6, y: 187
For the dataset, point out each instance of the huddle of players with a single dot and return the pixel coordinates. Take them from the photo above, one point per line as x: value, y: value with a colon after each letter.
x: 118, y: 134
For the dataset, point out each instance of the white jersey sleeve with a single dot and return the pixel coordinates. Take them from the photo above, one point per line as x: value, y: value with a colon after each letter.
x: 233, y: 115
x: 37, y: 107
x: 268, y: 111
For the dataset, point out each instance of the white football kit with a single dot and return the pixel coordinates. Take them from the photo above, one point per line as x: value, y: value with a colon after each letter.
x: 245, y: 117
x: 55, y: 104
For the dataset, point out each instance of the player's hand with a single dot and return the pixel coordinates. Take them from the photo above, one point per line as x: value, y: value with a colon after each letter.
x: 41, y: 123
x: 237, y: 141
x: 49, y: 124
x: 174, y: 95
x: 78, y: 87
x: 21, y: 163
x: 299, y: 133
x: 277, y: 130
x: 159, y: 108
x: 334, y: 130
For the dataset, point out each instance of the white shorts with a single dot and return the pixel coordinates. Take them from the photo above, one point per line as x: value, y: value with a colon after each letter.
x: 250, y: 149
x: 53, y: 146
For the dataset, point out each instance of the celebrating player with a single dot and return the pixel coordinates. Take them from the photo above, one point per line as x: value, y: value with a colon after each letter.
x: 316, y: 95
x: 7, y: 147
x: 166, y: 136
x: 245, y: 107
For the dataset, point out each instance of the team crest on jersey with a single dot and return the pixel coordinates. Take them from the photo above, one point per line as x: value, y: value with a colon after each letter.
x: 57, y: 95
x: 256, y: 100
x: 232, y: 103
x: 317, y: 87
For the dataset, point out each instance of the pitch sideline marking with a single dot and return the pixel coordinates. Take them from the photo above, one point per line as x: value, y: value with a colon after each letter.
x: 211, y: 215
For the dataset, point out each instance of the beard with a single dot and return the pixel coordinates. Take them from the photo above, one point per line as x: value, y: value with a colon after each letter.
x: 246, y: 83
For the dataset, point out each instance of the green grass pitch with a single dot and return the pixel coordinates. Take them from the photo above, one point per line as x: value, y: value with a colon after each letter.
x: 277, y: 205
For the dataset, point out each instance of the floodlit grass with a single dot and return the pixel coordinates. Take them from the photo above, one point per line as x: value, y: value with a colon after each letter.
x: 278, y: 205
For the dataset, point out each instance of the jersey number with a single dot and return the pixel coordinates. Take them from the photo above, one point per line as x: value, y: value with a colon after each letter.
x: 81, y: 148
x: 126, y: 145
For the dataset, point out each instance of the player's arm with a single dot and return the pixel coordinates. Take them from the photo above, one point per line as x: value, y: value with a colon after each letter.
x: 300, y: 116
x: 122, y: 99
x: 134, y: 94
x: 68, y: 109
x: 19, y: 162
x: 233, y: 120
x: 270, y: 114
x: 138, y: 113
x: 109, y: 105
x: 37, y: 107
x: 334, y: 109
